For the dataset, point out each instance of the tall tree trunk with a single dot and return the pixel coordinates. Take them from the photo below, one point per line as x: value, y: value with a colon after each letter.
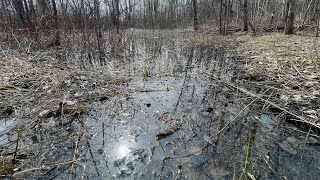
x: 307, y: 12
x: 2, y: 12
x: 317, y: 28
x: 245, y: 15
x: 285, y: 11
x: 128, y: 13
x: 44, y: 7
x: 155, y: 9
x: 27, y: 10
x: 98, y: 29
x: 115, y: 14
x: 221, y: 24
x: 151, y: 14
x: 272, y: 17
x: 118, y: 15
x: 195, y: 14
x: 56, y: 22
x: 290, y: 19
x: 45, y: 12
x: 84, y: 17
x: 226, y: 19
x: 316, y: 11
x: 18, y: 5
x: 31, y: 7
x: 6, y: 14
x: 316, y: 17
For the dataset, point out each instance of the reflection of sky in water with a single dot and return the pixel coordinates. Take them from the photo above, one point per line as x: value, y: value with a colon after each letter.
x: 121, y: 150
x: 130, y: 136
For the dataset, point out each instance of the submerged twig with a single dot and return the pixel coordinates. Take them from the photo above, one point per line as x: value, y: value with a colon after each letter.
x: 75, y: 150
x: 17, y: 146
x: 227, y: 125
x: 40, y: 168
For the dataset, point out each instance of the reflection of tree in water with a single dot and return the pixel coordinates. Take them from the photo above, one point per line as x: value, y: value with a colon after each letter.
x: 219, y: 132
x: 211, y: 109
x: 195, y: 106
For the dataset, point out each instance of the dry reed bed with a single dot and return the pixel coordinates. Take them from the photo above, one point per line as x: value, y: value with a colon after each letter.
x: 36, y: 87
x: 30, y: 87
x: 289, y: 65
x: 281, y: 71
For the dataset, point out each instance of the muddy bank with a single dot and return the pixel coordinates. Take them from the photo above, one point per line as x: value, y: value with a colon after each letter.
x: 181, y: 107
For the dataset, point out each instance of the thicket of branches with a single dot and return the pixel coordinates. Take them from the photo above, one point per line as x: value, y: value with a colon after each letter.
x: 36, y: 16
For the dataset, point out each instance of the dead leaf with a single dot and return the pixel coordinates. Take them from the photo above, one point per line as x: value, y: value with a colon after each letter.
x: 219, y: 172
x: 208, y: 139
x: 70, y: 103
x: 195, y: 150
x: 44, y: 113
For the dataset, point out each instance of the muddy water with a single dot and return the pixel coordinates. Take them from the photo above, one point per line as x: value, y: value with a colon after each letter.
x: 179, y: 123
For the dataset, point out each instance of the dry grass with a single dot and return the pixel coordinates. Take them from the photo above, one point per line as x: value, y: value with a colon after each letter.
x: 207, y: 40
x: 36, y: 87
x: 291, y: 64
x: 32, y: 87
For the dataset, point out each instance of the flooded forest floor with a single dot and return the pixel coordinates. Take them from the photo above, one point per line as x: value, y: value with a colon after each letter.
x: 169, y: 104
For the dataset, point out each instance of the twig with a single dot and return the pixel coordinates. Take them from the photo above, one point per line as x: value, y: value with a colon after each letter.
x: 301, y: 119
x: 17, y: 41
x: 304, y: 145
x: 34, y: 169
x: 227, y: 125
x: 298, y: 70
x: 94, y: 163
x: 17, y: 145
x: 74, y: 153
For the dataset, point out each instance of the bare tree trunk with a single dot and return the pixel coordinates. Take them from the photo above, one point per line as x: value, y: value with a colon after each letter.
x: 98, y: 29
x: 306, y: 12
x: 272, y: 17
x: 227, y: 15
x: 118, y: 15
x: 27, y: 10
x: 317, y: 28
x: 31, y: 6
x: 316, y: 17
x: 285, y: 11
x: 195, y: 15
x: 6, y: 15
x: 316, y: 11
x: 18, y: 5
x: 215, y: 15
x: 115, y: 14
x: 221, y: 24
x: 84, y: 17
x: 155, y: 9
x: 45, y: 12
x: 245, y: 15
x: 43, y: 4
x: 290, y: 19
x: 54, y: 8
x: 2, y: 12
x: 56, y: 22
x: 151, y: 15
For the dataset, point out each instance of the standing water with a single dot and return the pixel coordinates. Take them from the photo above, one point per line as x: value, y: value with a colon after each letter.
x: 175, y: 120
